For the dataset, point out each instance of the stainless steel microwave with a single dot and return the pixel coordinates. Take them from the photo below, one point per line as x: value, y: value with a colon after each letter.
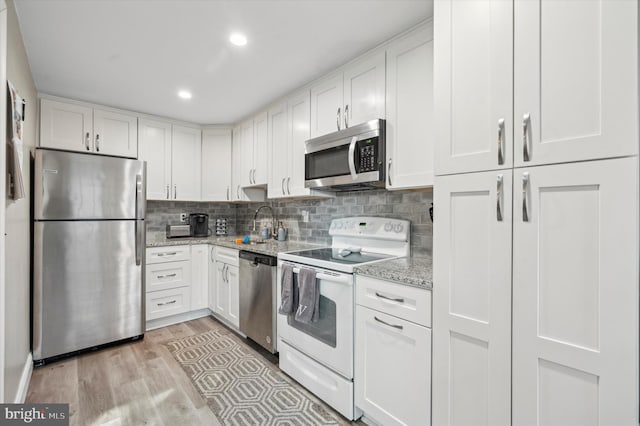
x: 347, y: 160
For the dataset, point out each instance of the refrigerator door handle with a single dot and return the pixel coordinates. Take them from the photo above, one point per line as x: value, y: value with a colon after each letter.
x: 139, y: 241
x: 139, y: 198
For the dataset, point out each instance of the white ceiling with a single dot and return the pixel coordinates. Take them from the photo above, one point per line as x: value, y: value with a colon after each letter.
x: 137, y: 54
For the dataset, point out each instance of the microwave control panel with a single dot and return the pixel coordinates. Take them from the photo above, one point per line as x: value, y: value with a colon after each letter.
x: 367, y: 150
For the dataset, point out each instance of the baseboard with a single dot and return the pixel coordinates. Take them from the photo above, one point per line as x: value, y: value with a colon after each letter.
x: 176, y: 319
x: 25, y: 379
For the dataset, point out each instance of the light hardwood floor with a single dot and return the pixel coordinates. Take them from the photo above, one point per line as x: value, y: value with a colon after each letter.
x: 136, y: 383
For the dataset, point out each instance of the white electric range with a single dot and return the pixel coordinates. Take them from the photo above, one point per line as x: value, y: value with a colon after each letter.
x: 320, y: 355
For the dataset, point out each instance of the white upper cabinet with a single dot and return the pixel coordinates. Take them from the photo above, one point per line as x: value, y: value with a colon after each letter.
x: 473, y: 80
x: 351, y: 96
x: 410, y: 132
x: 531, y: 82
x: 77, y: 127
x: 155, y: 148
x: 115, y: 133
x: 216, y: 165
x: 185, y: 171
x: 575, y: 294
x: 278, y: 151
x: 246, y: 150
x: 297, y: 134
x: 259, y: 175
x: 578, y: 87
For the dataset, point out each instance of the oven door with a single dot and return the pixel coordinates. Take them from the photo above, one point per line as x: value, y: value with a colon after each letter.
x: 329, y: 341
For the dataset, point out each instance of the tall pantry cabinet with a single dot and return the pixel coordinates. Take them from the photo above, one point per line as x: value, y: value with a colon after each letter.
x: 536, y: 192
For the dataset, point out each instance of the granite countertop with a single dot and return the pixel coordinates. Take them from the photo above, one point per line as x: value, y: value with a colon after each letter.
x: 413, y: 271
x: 270, y: 248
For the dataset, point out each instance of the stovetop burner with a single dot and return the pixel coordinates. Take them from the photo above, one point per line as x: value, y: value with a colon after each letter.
x: 329, y: 254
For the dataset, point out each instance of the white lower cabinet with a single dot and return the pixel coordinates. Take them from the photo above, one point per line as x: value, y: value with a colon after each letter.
x: 199, y: 276
x: 164, y: 303
x: 392, y: 377
x: 224, y: 282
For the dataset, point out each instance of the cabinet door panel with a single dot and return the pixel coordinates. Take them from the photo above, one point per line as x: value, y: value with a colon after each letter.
x: 326, y: 106
x: 213, y: 276
x: 155, y: 148
x: 298, y: 129
x: 216, y: 165
x: 575, y: 294
x: 278, y: 152
x: 234, y: 295
x: 115, y: 134
x: 185, y: 169
x: 260, y: 160
x: 66, y: 126
x: 246, y: 150
x: 473, y: 57
x: 221, y: 301
x: 579, y: 86
x: 199, y: 276
x: 410, y: 135
x: 364, y: 90
x: 472, y: 304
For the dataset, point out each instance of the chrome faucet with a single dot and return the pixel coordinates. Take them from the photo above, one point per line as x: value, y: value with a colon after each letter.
x: 274, y: 220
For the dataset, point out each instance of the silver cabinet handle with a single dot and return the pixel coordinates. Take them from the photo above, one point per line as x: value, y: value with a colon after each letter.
x: 338, y: 119
x: 288, y: 186
x: 211, y: 255
x: 226, y: 273
x: 399, y: 327
x: 168, y: 193
x: 500, y: 141
x: 172, y: 253
x: 227, y: 193
x: 393, y: 299
x: 87, y: 141
x: 167, y: 303
x: 526, y: 119
x: 175, y: 192
x: 346, y: 116
x: 165, y: 276
x: 282, y: 186
x: 525, y: 184
x: 254, y: 176
x: 238, y: 191
x: 97, y: 143
x: 389, y: 172
x: 499, y: 198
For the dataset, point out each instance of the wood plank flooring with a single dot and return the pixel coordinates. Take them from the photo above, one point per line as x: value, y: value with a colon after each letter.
x: 138, y: 383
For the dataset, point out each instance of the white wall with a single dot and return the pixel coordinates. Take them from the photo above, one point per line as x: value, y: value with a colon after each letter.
x: 18, y: 229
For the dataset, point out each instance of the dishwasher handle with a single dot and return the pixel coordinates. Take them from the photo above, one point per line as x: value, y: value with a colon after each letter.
x: 257, y: 258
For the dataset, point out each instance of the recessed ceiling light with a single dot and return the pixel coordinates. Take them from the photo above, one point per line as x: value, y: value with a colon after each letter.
x: 238, y: 39
x: 184, y: 94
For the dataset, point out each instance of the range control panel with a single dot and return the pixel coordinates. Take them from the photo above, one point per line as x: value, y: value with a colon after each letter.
x: 372, y: 227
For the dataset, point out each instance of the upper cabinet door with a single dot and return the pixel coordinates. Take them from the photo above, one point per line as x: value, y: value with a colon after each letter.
x: 576, y: 80
x: 260, y: 137
x: 364, y: 90
x: 237, y: 169
x: 246, y: 149
x: 66, y: 126
x: 216, y: 165
x: 326, y: 106
x: 186, y: 150
x: 473, y: 80
x: 115, y: 133
x: 298, y: 133
x: 278, y: 151
x: 154, y: 147
x: 410, y: 134
x: 575, y: 294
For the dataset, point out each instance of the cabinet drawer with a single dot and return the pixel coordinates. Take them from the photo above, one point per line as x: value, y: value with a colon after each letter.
x: 226, y: 255
x: 164, y: 303
x: 167, y: 254
x: 409, y: 303
x: 163, y: 276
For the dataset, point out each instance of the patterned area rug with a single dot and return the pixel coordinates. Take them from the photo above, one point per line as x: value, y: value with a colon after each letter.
x: 242, y: 388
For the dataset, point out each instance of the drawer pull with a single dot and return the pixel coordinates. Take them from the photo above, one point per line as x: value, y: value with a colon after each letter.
x: 167, y: 303
x: 399, y: 327
x: 393, y: 299
x: 173, y: 253
x: 165, y: 276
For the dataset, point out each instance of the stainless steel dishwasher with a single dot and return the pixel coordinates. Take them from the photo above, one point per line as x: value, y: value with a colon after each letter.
x: 258, y: 298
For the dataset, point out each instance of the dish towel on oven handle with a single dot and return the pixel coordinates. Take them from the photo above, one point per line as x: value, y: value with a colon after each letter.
x: 286, y: 293
x: 308, y: 297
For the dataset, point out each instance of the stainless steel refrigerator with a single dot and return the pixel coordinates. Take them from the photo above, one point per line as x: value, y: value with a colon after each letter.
x: 88, y: 251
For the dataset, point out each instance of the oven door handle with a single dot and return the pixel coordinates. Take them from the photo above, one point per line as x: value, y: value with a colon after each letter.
x: 352, y: 159
x: 320, y: 276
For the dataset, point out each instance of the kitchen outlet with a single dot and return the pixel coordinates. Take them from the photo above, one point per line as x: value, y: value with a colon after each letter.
x: 183, y: 217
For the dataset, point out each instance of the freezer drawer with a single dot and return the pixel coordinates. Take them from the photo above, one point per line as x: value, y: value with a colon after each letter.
x: 88, y: 286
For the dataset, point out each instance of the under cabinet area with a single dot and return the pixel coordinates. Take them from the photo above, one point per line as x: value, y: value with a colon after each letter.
x: 392, y: 377
x: 79, y: 127
x: 224, y: 285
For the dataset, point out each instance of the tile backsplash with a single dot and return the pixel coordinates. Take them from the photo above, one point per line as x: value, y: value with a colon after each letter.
x: 412, y: 205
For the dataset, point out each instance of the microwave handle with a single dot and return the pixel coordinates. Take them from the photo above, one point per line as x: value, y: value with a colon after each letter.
x: 352, y: 160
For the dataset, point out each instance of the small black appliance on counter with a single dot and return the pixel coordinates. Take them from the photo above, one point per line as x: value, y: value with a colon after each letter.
x: 199, y: 223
